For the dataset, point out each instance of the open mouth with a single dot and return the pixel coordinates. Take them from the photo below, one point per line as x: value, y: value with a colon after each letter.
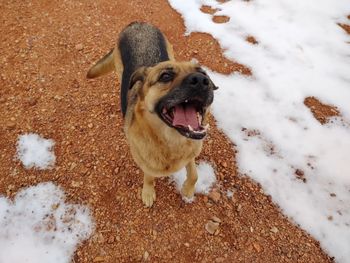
x: 186, y: 118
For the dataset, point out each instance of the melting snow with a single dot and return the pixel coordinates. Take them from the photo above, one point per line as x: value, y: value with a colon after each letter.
x: 206, y: 179
x: 35, y: 151
x: 301, y: 52
x: 39, y: 227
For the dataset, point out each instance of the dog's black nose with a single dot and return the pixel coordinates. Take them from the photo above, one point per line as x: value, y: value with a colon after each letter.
x: 198, y: 80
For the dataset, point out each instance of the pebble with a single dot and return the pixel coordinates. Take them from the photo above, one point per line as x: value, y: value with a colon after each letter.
x: 257, y: 247
x: 75, y: 184
x: 32, y: 101
x: 146, y: 255
x: 110, y: 240
x: 11, y: 126
x: 211, y: 227
x: 215, y: 196
x: 99, y: 259
x: 79, y: 47
x: 274, y: 229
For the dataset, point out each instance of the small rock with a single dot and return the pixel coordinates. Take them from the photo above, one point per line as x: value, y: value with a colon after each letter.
x: 211, y: 227
x: 75, y: 184
x: 332, y: 194
x: 99, y: 259
x: 145, y: 256
x: 257, y: 247
x: 58, y: 97
x: 32, y: 101
x: 11, y: 126
x: 215, y: 196
x: 116, y: 170
x: 274, y: 229
x: 299, y: 172
x: 187, y: 244
x: 79, y: 47
x: 205, y: 199
x: 90, y: 125
x: 110, y: 240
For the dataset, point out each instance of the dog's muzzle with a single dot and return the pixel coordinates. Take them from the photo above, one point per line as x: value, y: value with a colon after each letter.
x: 184, y: 107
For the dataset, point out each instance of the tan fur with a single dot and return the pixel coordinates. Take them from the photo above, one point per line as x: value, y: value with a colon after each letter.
x: 158, y: 149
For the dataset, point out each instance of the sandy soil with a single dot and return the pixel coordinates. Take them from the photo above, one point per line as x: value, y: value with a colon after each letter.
x: 46, y: 49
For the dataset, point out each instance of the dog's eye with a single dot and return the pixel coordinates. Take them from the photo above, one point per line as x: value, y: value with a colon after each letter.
x: 166, y: 77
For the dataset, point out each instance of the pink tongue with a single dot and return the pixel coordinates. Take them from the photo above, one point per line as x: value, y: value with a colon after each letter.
x: 185, y: 115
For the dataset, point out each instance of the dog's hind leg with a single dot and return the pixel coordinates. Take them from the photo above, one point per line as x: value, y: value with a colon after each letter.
x: 148, y: 192
x: 188, y: 186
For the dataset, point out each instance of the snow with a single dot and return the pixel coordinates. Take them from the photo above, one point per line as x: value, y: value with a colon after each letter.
x: 35, y: 152
x: 206, y: 179
x: 301, y: 52
x: 40, y: 227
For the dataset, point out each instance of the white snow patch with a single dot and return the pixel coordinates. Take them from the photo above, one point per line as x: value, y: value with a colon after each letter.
x: 206, y: 179
x: 39, y: 227
x: 35, y: 151
x: 301, y: 52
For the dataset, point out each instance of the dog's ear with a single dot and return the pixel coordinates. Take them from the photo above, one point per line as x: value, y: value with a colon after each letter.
x: 138, y: 75
x: 214, y: 87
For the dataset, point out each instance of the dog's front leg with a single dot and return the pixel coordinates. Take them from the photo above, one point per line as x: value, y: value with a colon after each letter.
x: 148, y: 192
x: 188, y: 186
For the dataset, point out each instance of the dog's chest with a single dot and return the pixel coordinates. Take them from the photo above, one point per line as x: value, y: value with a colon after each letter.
x: 163, y: 159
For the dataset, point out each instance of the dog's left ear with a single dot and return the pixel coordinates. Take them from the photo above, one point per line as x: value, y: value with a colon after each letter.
x: 213, y: 85
x: 138, y: 75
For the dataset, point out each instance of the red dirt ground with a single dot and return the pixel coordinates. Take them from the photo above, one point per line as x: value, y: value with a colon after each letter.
x: 46, y: 50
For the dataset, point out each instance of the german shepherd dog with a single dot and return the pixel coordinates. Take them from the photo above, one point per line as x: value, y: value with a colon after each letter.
x: 165, y: 105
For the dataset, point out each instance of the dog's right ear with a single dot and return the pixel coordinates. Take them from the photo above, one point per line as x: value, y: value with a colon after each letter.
x: 138, y: 75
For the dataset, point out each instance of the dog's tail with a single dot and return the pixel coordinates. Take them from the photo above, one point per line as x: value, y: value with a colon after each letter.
x: 102, y: 67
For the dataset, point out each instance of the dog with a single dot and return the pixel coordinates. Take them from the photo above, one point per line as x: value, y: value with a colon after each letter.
x: 165, y: 105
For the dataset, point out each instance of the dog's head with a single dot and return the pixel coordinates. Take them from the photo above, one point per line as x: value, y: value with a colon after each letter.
x: 176, y: 94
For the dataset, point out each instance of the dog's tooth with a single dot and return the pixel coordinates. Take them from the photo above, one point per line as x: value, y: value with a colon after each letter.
x: 190, y: 127
x: 199, y: 132
x: 186, y: 101
x: 199, y: 116
x: 164, y: 110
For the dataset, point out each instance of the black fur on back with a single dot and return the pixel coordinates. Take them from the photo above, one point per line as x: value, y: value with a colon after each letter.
x: 140, y: 44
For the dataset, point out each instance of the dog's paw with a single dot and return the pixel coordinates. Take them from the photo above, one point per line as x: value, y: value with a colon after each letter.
x: 187, y: 191
x: 148, y: 196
